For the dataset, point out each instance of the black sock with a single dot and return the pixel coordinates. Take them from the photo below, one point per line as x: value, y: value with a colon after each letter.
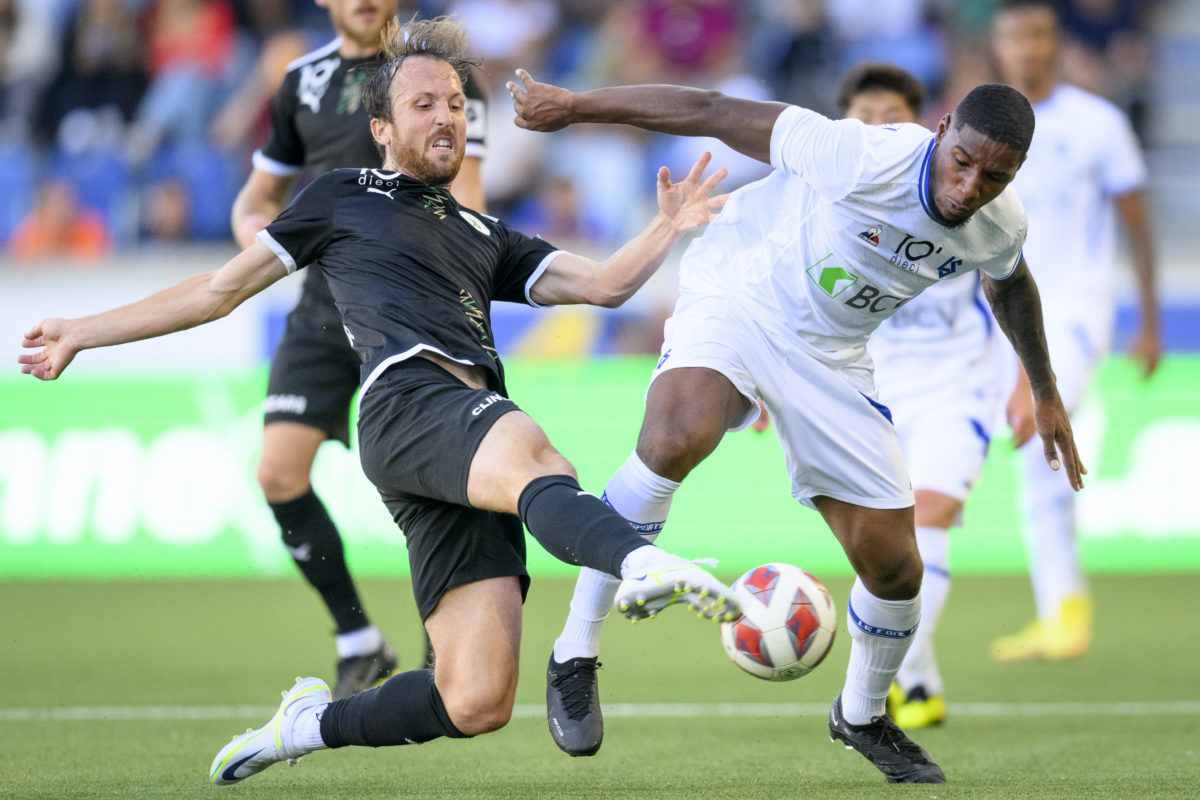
x: 406, y: 709
x: 316, y: 547
x: 576, y: 527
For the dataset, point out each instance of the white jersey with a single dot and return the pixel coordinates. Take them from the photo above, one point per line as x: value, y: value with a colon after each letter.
x: 1083, y: 155
x: 840, y: 236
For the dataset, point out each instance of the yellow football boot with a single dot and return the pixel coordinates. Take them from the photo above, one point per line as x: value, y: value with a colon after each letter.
x: 1068, y: 636
x: 916, y: 709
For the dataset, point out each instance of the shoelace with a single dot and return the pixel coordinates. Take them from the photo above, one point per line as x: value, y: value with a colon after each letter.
x: 575, y: 687
x: 891, y: 736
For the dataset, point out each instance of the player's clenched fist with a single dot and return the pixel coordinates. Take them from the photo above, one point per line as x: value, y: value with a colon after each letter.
x: 56, y: 353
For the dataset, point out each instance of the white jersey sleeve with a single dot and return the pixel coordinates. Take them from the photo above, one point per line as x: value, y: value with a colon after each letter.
x: 827, y: 154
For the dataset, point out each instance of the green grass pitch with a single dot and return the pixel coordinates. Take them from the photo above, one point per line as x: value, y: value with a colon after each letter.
x: 182, y: 666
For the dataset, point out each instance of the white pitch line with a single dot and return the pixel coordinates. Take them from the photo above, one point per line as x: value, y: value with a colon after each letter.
x: 1131, y: 708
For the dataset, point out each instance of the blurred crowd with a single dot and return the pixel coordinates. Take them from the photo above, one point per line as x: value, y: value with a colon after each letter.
x: 127, y: 122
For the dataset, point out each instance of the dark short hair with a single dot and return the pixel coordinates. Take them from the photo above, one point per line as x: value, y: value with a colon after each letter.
x: 869, y: 76
x: 999, y: 112
x: 441, y: 37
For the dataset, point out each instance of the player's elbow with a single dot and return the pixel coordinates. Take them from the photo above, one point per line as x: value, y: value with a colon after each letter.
x: 216, y: 301
x: 611, y: 299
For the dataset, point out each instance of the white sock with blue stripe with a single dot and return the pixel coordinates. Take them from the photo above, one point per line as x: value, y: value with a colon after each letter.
x: 920, y: 666
x: 643, y: 498
x: 880, y: 634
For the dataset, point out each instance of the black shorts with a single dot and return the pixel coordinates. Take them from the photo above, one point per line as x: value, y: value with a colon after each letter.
x: 418, y: 429
x: 315, y: 372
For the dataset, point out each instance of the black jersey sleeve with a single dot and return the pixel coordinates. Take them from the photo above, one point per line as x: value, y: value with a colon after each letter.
x: 476, y: 114
x: 523, y: 259
x: 300, y: 234
x: 284, y: 145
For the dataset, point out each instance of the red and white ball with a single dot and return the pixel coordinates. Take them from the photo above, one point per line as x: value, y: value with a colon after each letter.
x: 787, y: 625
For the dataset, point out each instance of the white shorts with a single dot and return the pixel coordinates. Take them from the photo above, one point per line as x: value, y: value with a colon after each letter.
x: 945, y: 413
x: 944, y: 442
x: 1075, y: 345
x: 836, y: 441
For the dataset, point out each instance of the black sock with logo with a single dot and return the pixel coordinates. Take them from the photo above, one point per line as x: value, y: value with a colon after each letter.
x: 313, y: 541
x: 575, y: 526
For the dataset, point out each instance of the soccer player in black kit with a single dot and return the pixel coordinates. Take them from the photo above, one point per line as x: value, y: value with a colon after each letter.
x: 460, y: 467
x: 318, y: 123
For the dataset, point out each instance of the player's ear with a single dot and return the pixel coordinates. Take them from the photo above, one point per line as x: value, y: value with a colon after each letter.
x: 943, y: 126
x: 381, y: 131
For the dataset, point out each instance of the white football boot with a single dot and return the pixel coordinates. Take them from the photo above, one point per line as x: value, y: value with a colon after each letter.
x: 646, y: 595
x: 258, y: 748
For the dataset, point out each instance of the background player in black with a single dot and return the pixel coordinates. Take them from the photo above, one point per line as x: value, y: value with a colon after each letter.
x: 318, y: 123
x: 413, y: 275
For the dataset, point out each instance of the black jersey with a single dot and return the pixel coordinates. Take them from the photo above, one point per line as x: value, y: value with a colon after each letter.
x: 319, y: 123
x: 409, y: 269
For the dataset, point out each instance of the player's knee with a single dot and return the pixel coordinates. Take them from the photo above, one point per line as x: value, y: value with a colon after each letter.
x: 893, y: 579
x: 555, y: 463
x: 674, y: 452
x: 280, y: 484
x: 478, y: 709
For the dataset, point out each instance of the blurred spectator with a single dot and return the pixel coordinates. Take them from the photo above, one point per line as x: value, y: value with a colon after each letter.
x: 192, y: 48
x: 1107, y: 51
x: 556, y: 213
x: 58, y: 227
x: 28, y: 55
x: 789, y: 43
x: 242, y: 121
x: 507, y: 34
x: 100, y: 83
x: 901, y: 32
x: 167, y: 211
x: 686, y: 39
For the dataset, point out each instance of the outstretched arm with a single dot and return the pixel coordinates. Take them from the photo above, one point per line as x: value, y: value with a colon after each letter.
x: 1018, y: 309
x: 682, y: 206
x: 744, y: 125
x: 192, y: 302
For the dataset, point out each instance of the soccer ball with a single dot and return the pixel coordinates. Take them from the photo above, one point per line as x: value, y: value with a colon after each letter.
x: 787, y: 625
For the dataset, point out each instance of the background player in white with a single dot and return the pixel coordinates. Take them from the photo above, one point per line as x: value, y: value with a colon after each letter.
x: 777, y: 300
x: 1083, y: 164
x: 318, y: 123
x: 414, y: 275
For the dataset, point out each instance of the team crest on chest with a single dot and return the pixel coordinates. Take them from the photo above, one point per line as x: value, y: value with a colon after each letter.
x: 475, y: 223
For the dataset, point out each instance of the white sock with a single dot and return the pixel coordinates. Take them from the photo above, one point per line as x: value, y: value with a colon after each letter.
x: 306, y: 729
x: 360, y: 642
x: 920, y: 666
x: 643, y: 498
x: 875, y: 657
x: 1049, y: 533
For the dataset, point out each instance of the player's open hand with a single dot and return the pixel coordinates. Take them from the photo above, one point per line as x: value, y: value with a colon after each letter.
x: 539, y: 106
x: 687, y: 203
x: 1058, y: 442
x: 56, y: 353
x: 1146, y: 349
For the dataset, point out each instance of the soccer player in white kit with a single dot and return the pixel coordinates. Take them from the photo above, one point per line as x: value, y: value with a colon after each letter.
x: 942, y: 370
x: 1083, y: 163
x: 777, y: 300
